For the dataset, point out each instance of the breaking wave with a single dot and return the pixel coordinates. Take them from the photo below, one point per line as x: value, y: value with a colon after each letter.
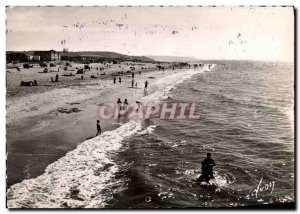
x: 83, y: 178
x: 163, y: 94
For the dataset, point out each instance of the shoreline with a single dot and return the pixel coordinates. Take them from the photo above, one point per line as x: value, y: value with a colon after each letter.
x: 43, y: 131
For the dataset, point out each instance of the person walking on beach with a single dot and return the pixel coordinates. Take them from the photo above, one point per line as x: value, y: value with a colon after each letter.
x: 56, y: 78
x: 132, y: 83
x: 98, y: 128
x: 119, y: 106
x: 132, y: 75
x: 146, y: 85
x: 115, y: 80
x: 120, y: 80
x: 125, y: 106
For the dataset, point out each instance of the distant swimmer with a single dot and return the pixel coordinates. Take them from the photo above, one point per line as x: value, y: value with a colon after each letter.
x: 98, y: 128
x: 120, y: 80
x: 115, y: 80
x: 207, y: 169
x: 146, y: 85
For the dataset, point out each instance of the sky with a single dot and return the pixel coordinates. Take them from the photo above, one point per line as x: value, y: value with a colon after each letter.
x: 234, y: 33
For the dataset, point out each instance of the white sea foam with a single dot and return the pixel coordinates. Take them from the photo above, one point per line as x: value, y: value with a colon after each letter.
x: 148, y: 130
x: 84, y: 177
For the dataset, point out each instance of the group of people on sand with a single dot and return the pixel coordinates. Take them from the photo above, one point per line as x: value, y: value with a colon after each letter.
x: 115, y: 80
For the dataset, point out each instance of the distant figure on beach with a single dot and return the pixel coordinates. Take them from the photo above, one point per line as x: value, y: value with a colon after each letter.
x: 120, y: 80
x: 207, y: 169
x: 146, y: 85
x: 125, y: 106
x: 132, y: 83
x: 115, y: 80
x: 56, y: 78
x: 136, y: 84
x: 119, y: 106
x: 98, y: 128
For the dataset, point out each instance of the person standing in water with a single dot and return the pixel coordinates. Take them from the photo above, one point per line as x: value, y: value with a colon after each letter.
x: 98, y: 128
x: 146, y: 85
x: 208, y: 165
x: 125, y: 106
x: 115, y: 80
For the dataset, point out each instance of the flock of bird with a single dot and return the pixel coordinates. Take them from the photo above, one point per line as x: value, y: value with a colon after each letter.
x: 110, y: 26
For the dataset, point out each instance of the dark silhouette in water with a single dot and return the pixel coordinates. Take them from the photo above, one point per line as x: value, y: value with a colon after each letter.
x: 207, y: 169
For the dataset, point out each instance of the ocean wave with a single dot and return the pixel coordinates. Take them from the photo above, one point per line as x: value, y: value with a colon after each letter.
x: 83, y: 178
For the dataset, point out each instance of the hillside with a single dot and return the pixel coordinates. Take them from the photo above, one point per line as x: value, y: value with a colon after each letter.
x: 106, y: 55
